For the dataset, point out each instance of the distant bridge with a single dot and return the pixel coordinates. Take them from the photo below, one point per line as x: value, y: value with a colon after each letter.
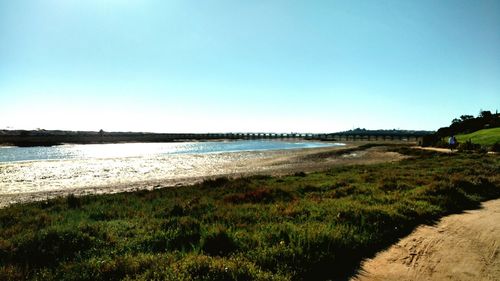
x: 321, y: 137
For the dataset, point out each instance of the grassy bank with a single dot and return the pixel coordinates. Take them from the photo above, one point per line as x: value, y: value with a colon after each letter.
x: 486, y: 137
x: 300, y: 227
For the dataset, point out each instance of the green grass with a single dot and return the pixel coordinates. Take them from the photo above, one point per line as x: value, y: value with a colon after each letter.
x: 485, y: 137
x: 315, y: 226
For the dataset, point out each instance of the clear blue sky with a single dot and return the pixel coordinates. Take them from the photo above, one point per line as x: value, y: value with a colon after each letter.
x: 261, y: 65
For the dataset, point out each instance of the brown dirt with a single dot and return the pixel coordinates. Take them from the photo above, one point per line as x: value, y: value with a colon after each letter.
x: 459, y: 247
x: 445, y: 150
x: 437, y: 149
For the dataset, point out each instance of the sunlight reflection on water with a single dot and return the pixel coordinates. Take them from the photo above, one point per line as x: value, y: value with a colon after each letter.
x: 103, y: 165
x: 10, y: 154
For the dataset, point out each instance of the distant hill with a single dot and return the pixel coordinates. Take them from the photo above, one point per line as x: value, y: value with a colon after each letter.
x: 42, y: 132
x: 393, y: 132
x: 56, y: 137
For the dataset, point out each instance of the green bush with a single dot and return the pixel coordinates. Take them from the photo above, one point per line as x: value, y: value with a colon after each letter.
x: 218, y: 242
x: 468, y: 146
x: 495, y: 147
x: 51, y: 246
x: 261, y: 195
x: 200, y: 267
x: 73, y: 201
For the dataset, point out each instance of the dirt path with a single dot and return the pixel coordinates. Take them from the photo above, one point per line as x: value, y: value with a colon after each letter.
x: 444, y: 150
x: 459, y: 247
x: 437, y: 149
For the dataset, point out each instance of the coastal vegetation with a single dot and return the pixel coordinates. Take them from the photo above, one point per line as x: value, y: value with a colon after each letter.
x: 304, y: 226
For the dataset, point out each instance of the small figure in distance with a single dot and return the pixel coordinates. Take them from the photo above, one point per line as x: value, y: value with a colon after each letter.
x: 452, y: 142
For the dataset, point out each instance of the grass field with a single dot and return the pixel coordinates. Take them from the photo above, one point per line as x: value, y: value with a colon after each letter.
x: 314, y: 226
x: 486, y: 137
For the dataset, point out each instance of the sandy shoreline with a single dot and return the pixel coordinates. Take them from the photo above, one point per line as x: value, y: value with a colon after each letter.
x: 39, y: 180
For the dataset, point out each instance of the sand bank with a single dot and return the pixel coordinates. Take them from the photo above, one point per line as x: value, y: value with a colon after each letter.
x: 38, y: 180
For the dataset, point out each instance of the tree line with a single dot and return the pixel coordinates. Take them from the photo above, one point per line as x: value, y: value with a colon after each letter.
x: 466, y: 124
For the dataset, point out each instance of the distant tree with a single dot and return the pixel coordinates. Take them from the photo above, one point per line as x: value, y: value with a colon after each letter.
x: 468, y: 124
x: 486, y: 114
x: 101, y: 134
x: 466, y: 117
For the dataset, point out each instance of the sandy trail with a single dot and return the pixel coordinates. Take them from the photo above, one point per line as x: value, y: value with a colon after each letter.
x: 39, y: 180
x: 437, y: 149
x: 444, y: 150
x: 459, y: 247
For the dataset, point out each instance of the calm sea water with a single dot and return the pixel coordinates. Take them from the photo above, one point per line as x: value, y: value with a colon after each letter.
x: 89, y: 151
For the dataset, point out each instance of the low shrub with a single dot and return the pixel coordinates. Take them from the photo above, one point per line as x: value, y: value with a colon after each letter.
x: 214, y: 183
x: 51, y: 246
x: 11, y: 273
x: 218, y: 242
x: 495, y: 147
x: 73, y: 201
x: 261, y: 195
x: 342, y: 191
x: 449, y: 197
x: 468, y: 146
x: 176, y: 234
x: 300, y: 174
x: 102, y: 214
x: 200, y: 267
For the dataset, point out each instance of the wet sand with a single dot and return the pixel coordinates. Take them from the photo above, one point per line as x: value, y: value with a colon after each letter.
x: 39, y: 180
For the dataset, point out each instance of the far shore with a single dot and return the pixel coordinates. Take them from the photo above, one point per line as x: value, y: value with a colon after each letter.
x: 49, y: 143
